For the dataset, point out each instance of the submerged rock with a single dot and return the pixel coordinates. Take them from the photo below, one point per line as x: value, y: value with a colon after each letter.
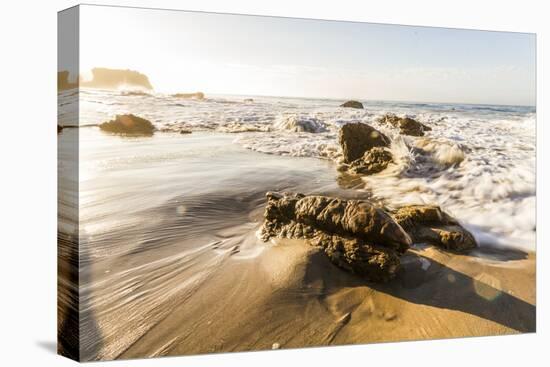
x: 373, y: 161
x: 406, y: 125
x: 352, y: 104
x: 428, y: 223
x: 358, y: 138
x: 441, y: 152
x: 136, y: 92
x: 128, y: 124
x: 301, y: 124
x: 355, y: 235
x: 196, y: 95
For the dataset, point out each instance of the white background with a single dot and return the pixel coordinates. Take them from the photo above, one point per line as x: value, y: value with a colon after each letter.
x: 28, y: 77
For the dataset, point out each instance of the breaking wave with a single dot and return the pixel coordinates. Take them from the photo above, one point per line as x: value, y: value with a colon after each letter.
x: 477, y: 162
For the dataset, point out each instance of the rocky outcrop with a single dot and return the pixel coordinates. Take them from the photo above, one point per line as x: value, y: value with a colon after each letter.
x: 406, y: 125
x: 354, y: 234
x: 373, y: 161
x: 128, y: 125
x: 429, y: 224
x: 352, y: 104
x: 105, y: 78
x: 196, y: 95
x: 358, y: 138
x: 63, y: 82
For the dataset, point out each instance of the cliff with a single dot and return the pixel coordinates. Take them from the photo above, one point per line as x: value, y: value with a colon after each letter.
x: 114, y: 78
x: 63, y: 82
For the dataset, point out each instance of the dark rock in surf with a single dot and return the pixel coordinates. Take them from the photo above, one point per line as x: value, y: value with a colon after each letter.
x: 373, y: 161
x: 429, y: 224
x: 185, y: 131
x: 406, y: 125
x: 128, y: 125
x: 352, y: 104
x: 354, y: 234
x: 409, y: 126
x: 358, y: 138
x: 59, y: 128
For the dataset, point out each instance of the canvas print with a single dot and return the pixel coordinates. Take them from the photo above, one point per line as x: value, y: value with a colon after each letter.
x: 239, y: 183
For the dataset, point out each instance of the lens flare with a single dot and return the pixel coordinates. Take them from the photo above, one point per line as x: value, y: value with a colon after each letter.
x: 487, y: 286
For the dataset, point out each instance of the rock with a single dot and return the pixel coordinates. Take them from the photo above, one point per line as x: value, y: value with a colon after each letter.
x: 373, y: 161
x: 59, y: 128
x: 352, y: 104
x: 354, y: 234
x: 301, y: 124
x: 409, y: 126
x: 389, y: 118
x: 136, y: 92
x: 63, y: 82
x: 185, y: 131
x: 354, y: 217
x: 428, y: 223
x: 357, y: 138
x: 248, y: 100
x: 406, y: 125
x: 375, y: 263
x: 196, y: 95
x: 115, y: 78
x: 128, y: 124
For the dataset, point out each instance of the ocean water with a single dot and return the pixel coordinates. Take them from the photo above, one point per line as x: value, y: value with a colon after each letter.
x: 477, y: 163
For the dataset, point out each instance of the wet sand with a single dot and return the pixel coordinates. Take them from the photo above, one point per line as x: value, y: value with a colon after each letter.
x: 291, y: 296
x: 171, y: 263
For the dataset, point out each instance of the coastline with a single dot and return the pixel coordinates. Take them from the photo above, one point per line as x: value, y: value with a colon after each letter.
x: 174, y: 266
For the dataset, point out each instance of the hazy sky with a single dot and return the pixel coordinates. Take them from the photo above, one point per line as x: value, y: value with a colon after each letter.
x: 232, y: 54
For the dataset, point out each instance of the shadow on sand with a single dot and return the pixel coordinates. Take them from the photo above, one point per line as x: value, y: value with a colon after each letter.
x: 457, y: 291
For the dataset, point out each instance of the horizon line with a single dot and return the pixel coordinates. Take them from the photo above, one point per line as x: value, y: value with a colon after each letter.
x: 329, y: 98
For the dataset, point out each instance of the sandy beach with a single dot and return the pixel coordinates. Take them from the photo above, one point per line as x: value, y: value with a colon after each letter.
x: 291, y: 297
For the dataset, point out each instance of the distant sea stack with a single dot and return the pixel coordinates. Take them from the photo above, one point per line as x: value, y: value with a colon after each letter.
x: 114, y: 78
x: 63, y: 82
x: 196, y: 95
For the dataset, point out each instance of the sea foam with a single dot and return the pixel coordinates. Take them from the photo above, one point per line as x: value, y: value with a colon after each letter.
x: 477, y: 162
